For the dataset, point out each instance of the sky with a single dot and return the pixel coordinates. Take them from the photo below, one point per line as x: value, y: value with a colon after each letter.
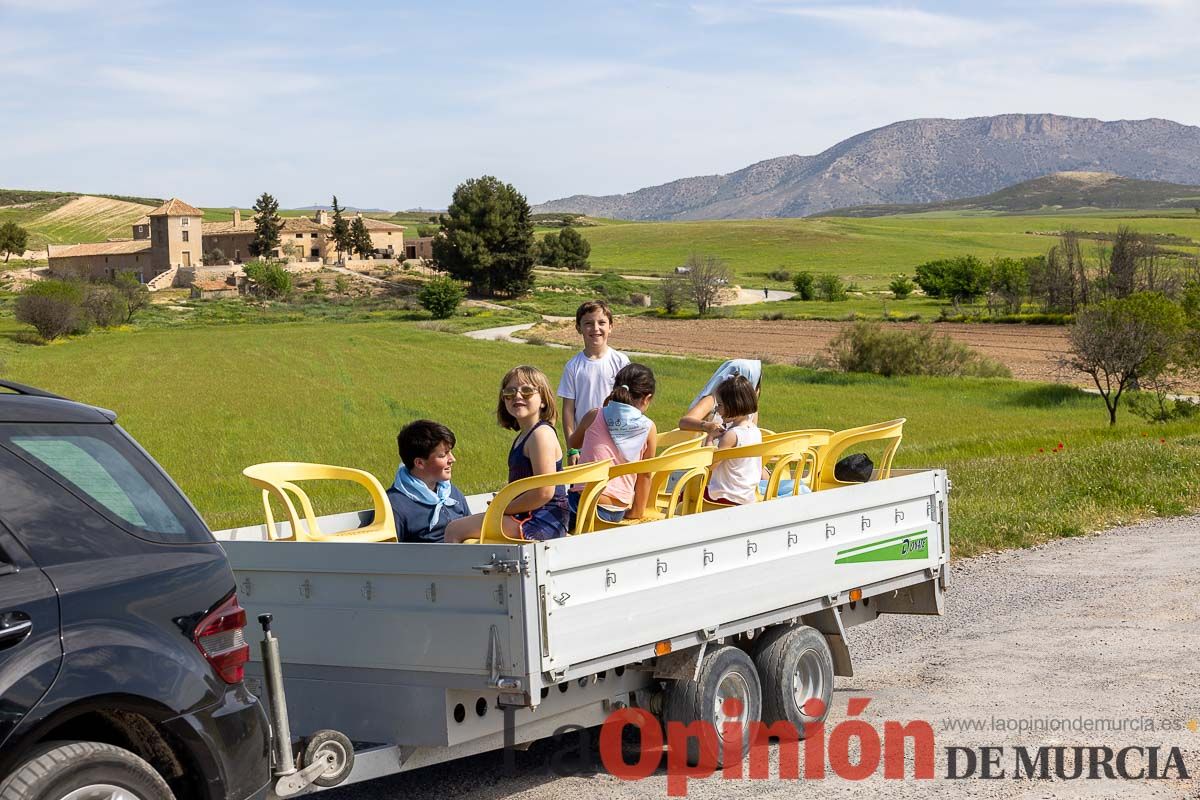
x: 392, y: 104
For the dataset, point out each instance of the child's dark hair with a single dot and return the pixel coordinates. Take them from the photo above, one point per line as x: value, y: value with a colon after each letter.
x: 736, y: 397
x: 590, y: 306
x: 419, y: 439
x: 632, y: 385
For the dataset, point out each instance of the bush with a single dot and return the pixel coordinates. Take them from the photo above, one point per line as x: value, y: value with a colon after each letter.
x: 215, y: 256
x: 960, y: 279
x: 614, y: 288
x: 270, y: 280
x: 671, y: 293
x: 870, y: 347
x: 440, y: 297
x: 53, y: 308
x: 341, y: 284
x: 804, y: 285
x: 428, y: 230
x: 901, y: 287
x: 831, y: 288
x: 104, y: 305
x: 136, y: 295
x: 781, y: 275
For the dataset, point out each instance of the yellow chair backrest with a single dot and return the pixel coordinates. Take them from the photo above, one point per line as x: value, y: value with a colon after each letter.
x: 278, y: 478
x: 676, y: 440
x: 683, y: 498
x: 790, y: 454
x: 593, y: 474
x: 889, y: 432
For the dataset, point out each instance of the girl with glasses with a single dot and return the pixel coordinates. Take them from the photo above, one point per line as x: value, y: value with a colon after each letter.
x: 526, y: 405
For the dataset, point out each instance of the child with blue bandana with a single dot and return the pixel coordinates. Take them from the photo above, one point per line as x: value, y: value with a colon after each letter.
x: 422, y: 497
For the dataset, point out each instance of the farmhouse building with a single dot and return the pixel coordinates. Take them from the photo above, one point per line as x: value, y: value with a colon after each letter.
x: 174, y: 237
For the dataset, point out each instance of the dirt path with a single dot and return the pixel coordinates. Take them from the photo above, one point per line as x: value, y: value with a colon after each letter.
x: 1028, y: 350
x: 1098, y: 630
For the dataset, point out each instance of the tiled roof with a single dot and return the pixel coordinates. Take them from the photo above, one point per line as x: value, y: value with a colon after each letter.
x: 213, y: 285
x: 176, y: 208
x: 123, y: 247
x: 143, y: 220
x: 380, y: 225
x: 290, y: 225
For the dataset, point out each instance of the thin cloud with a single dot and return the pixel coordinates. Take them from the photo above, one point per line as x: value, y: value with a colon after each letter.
x: 904, y: 26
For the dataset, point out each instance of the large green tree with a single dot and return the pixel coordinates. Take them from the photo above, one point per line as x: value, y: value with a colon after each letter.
x: 489, y: 238
x: 360, y: 238
x: 13, y: 239
x: 341, y: 231
x: 267, y: 225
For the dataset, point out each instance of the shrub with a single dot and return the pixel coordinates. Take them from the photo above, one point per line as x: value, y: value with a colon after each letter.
x: 341, y: 284
x: 215, y: 256
x: 53, y: 308
x: 318, y: 287
x: 136, y: 295
x: 441, y: 296
x: 772, y: 317
x: 870, y: 347
x: 270, y: 280
x: 831, y: 288
x: 104, y: 305
x: 960, y: 279
x: 901, y: 287
x: 781, y: 275
x: 804, y: 285
x: 671, y: 293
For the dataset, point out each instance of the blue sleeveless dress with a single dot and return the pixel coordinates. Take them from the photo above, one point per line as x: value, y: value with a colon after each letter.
x: 549, y: 521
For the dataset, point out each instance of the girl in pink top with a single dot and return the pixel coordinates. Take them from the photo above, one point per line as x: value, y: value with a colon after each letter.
x: 620, y: 431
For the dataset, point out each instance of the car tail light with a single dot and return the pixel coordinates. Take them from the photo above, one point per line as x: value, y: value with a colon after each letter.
x: 222, y: 641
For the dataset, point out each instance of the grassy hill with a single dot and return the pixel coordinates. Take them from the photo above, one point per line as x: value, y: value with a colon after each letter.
x: 868, y: 251
x: 1053, y: 193
x: 68, y: 219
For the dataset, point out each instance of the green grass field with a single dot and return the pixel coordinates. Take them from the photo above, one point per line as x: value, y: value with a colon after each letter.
x: 869, y: 251
x: 207, y: 400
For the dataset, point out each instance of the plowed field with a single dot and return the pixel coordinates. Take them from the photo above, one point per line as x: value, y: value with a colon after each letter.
x: 1028, y: 350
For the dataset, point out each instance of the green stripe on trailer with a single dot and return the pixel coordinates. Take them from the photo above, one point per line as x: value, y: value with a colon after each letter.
x: 882, y: 541
x: 902, y: 548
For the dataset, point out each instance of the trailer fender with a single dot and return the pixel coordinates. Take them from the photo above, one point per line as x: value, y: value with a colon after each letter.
x: 829, y: 623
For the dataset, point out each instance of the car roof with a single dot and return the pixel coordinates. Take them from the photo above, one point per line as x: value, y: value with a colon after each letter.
x: 23, y: 403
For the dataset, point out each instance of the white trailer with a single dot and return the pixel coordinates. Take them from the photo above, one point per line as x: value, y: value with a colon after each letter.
x: 418, y: 652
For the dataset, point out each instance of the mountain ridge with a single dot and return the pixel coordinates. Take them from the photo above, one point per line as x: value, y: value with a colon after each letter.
x: 914, y: 161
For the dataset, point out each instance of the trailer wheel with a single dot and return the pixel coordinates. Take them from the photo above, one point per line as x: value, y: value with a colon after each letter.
x: 726, y: 672
x: 325, y: 743
x: 796, y: 666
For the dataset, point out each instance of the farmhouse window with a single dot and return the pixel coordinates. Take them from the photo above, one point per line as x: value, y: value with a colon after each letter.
x: 185, y: 222
x: 299, y: 235
x: 185, y: 234
x: 312, y: 236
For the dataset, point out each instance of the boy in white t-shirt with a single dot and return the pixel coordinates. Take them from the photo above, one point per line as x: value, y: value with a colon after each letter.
x: 588, y: 377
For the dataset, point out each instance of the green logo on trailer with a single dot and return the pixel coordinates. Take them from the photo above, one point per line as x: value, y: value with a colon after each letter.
x: 898, y: 548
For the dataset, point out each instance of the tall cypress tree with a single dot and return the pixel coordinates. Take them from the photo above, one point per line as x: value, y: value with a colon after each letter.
x: 361, y: 238
x: 341, y: 231
x: 267, y: 225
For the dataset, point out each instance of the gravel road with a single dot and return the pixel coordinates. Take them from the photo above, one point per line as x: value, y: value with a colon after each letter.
x: 1105, y: 627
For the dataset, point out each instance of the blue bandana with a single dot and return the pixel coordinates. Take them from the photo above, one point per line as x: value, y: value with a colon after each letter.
x: 628, y: 428
x: 418, y: 491
x: 750, y: 369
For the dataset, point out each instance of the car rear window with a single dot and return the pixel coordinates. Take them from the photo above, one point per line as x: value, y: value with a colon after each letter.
x: 113, y: 476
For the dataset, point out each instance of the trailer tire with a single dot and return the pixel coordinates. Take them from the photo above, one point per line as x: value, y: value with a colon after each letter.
x: 795, y: 665
x: 84, y: 769
x: 327, y: 742
x: 725, y: 672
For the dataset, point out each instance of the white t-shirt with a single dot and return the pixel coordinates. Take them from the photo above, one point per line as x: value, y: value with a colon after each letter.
x: 588, y: 381
x: 736, y: 479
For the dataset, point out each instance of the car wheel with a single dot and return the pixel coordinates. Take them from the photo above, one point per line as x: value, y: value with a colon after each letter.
x: 725, y: 673
x: 84, y: 771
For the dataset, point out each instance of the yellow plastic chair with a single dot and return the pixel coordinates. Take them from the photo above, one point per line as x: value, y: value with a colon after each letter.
x: 770, y: 437
x: 594, y: 475
x: 676, y: 440
x: 278, y: 478
x: 889, y: 432
x: 791, y: 455
x: 683, y: 498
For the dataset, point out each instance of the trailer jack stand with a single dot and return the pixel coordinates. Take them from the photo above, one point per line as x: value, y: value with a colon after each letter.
x: 328, y: 756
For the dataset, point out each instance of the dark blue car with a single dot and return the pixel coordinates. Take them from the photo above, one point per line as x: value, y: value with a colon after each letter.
x: 121, y: 637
